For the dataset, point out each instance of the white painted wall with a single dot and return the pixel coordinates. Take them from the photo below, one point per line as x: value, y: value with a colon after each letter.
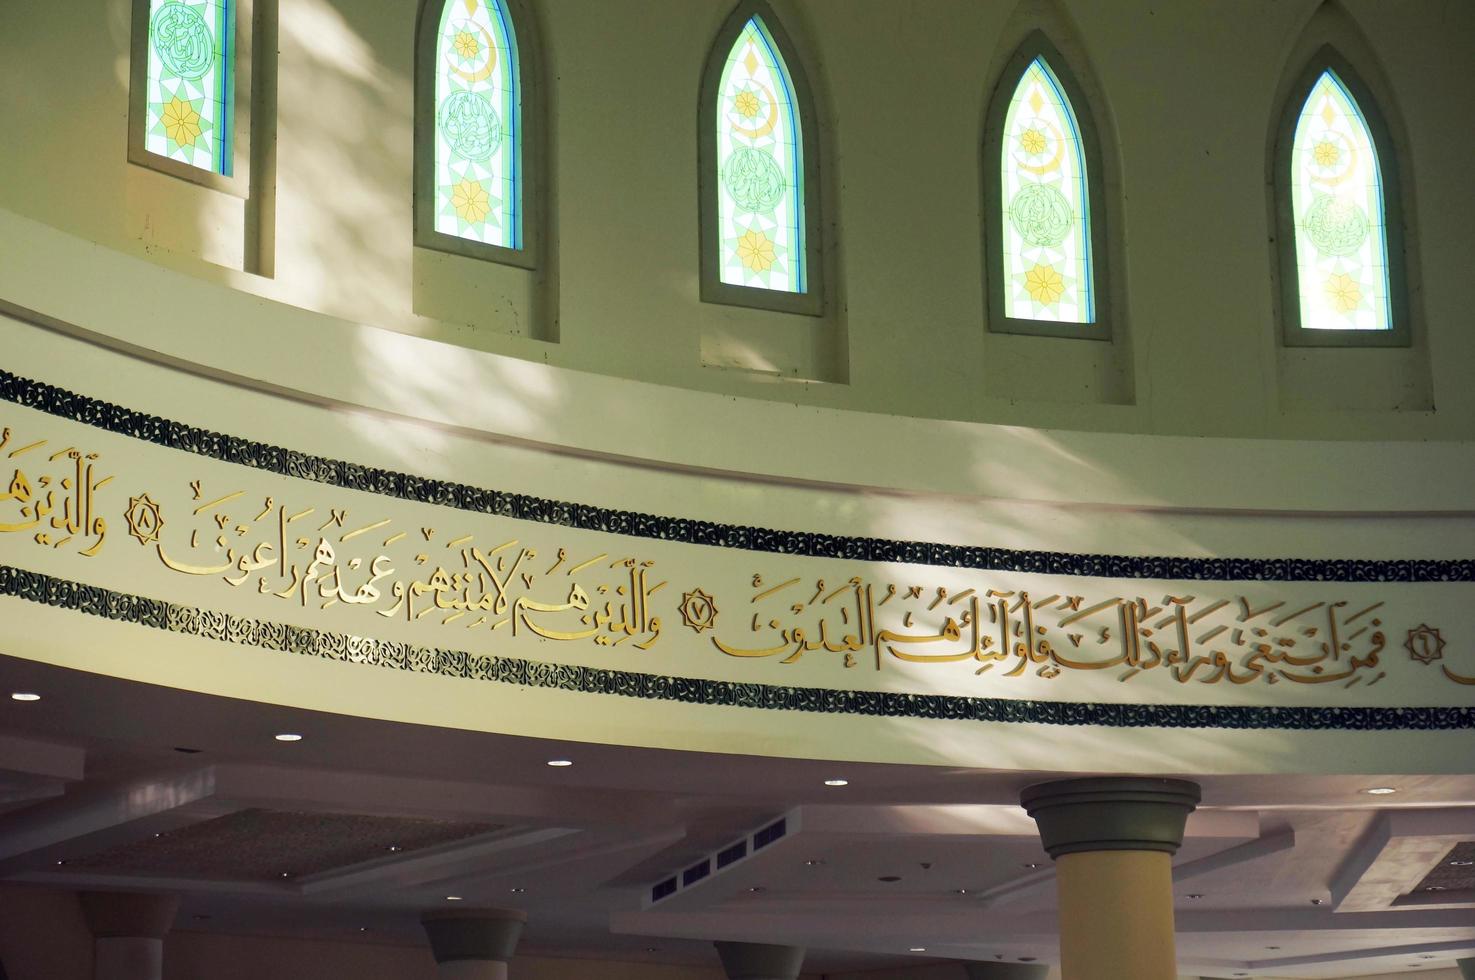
x: 1187, y: 91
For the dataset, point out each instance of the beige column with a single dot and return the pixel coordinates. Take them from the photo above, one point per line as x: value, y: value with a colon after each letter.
x: 1113, y: 841
x: 473, y: 944
x: 760, y: 961
x: 128, y: 932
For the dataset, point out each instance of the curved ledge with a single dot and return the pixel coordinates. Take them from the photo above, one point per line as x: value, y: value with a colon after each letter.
x: 341, y: 364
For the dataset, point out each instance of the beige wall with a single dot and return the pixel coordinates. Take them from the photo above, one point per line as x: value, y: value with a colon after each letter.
x: 905, y: 85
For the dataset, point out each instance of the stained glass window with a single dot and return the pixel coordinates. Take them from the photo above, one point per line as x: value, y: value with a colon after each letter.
x: 760, y: 158
x: 478, y: 125
x: 191, y: 84
x: 1337, y: 201
x: 1046, y: 241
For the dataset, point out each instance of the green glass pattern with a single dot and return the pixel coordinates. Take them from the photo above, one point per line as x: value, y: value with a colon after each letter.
x: 478, y: 125
x: 191, y: 86
x: 1337, y: 199
x: 1047, y: 267
x: 760, y: 159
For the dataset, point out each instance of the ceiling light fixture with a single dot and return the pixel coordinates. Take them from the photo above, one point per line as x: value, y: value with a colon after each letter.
x: 814, y: 862
x: 453, y: 898
x: 1462, y: 864
x: 1317, y: 901
x: 1032, y: 864
x: 394, y: 848
x: 837, y: 782
x: 962, y: 891
x: 25, y: 696
x: 560, y: 763
x: 918, y: 949
x: 518, y: 890
x: 1195, y: 895
x: 289, y: 737
x: 1381, y: 791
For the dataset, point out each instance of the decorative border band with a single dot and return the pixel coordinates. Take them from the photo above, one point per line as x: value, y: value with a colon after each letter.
x: 212, y: 624
x: 523, y: 507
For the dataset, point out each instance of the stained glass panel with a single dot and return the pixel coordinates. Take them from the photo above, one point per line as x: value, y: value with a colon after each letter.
x: 760, y: 156
x: 1337, y: 199
x: 478, y: 125
x: 191, y: 84
x: 1046, y: 206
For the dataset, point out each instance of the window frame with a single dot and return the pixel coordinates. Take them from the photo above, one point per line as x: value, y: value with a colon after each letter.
x: 813, y: 301
x: 531, y: 119
x: 238, y: 183
x: 1038, y: 45
x: 1292, y: 334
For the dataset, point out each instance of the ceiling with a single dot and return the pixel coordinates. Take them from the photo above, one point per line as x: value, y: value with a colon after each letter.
x: 356, y: 828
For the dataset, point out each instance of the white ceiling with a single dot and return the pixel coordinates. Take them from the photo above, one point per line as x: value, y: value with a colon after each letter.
x: 94, y: 765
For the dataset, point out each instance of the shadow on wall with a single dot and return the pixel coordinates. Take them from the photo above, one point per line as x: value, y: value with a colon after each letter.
x: 342, y: 123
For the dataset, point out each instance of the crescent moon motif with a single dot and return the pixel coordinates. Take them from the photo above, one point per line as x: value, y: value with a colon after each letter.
x: 1054, y: 162
x: 768, y: 124
x: 481, y: 73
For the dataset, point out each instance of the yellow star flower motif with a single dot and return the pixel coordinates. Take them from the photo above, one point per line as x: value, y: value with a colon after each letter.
x: 747, y: 104
x: 471, y: 202
x: 181, y: 122
x: 756, y: 251
x: 466, y: 44
x: 1044, y: 284
x: 1344, y: 292
x: 1326, y: 153
x: 1033, y: 142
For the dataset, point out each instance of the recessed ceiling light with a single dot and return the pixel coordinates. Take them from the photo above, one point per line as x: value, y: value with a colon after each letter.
x: 289, y: 737
x: 757, y: 888
x: 518, y: 891
x: 1381, y: 791
x: 1195, y: 895
x: 1462, y: 864
x: 453, y: 898
x: 25, y: 696
x: 962, y: 891
x: 560, y: 763
x: 1317, y: 901
x: 889, y: 879
x: 652, y: 949
x: 61, y: 862
x: 286, y: 874
x: 394, y: 848
x: 918, y: 949
x: 1033, y: 864
x: 814, y: 862
x: 1434, y: 888
x: 837, y: 782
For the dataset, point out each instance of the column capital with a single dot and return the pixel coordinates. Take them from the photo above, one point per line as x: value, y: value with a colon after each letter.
x: 1111, y: 813
x: 760, y: 961
x: 128, y: 915
x: 986, y: 970
x: 473, y: 934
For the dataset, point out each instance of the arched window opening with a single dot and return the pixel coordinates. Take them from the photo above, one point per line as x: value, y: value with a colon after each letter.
x: 477, y: 184
x: 759, y: 164
x: 1045, y: 221
x: 189, y: 77
x: 1339, y: 210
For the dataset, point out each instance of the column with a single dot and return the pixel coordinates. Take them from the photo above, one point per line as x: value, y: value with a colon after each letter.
x: 1113, y: 841
x: 1467, y: 968
x: 473, y: 944
x: 985, y: 970
x: 128, y: 932
x: 760, y: 961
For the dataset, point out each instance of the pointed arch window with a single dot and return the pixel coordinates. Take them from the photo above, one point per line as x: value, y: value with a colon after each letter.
x: 1340, y: 237
x: 473, y: 159
x: 189, y: 90
x: 759, y: 163
x: 1043, y: 221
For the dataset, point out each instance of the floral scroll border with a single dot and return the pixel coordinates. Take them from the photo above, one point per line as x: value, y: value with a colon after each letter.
x: 213, y: 624
x: 64, y: 404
